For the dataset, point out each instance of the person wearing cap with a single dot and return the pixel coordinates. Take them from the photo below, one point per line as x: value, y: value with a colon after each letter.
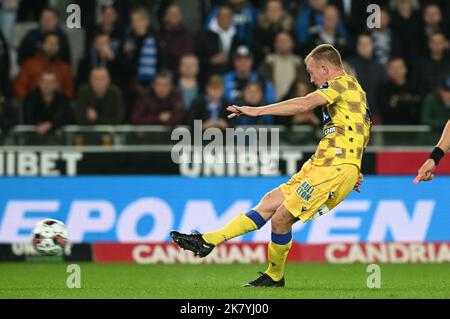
x: 236, y: 80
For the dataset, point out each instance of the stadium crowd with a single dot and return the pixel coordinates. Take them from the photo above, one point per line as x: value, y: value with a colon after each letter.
x: 173, y: 61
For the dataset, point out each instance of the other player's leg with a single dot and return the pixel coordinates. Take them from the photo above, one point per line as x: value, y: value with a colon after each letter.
x: 254, y: 219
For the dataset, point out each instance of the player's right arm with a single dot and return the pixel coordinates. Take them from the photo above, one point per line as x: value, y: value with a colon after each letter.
x: 284, y: 108
x: 425, y: 172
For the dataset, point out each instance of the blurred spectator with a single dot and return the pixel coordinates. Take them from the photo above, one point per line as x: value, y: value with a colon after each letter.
x: 283, y: 67
x: 406, y: 20
x: 100, y: 54
x: 162, y: 105
x: 311, y: 117
x: 99, y: 101
x: 435, y: 65
x: 173, y: 38
x: 195, y: 13
x: 299, y: 89
x: 433, y: 22
x: 369, y: 72
x: 253, y: 95
x: 8, y: 15
x: 353, y: 13
x: 329, y: 34
x: 47, y: 107
x: 236, y: 80
x: 108, y: 25
x: 212, y: 107
x: 436, y: 106
x: 273, y: 20
x: 188, y: 83
x: 385, y: 39
x: 215, y: 45
x: 244, y: 19
x: 310, y: 21
x: 140, y: 51
x: 33, y: 41
x: 48, y: 58
x: 399, y: 100
x: 8, y: 115
x: 5, y: 81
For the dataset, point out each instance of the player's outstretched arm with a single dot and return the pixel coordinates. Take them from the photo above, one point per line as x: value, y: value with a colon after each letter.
x: 425, y: 172
x: 285, y: 108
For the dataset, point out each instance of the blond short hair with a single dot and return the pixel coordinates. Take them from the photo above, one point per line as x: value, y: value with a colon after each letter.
x: 327, y: 53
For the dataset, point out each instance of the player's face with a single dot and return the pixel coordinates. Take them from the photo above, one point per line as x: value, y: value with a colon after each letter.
x: 317, y: 72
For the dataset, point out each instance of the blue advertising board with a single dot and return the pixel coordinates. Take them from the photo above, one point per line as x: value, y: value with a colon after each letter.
x: 146, y: 209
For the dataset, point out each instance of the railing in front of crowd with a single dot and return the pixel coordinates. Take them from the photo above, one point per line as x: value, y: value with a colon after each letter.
x: 113, y: 136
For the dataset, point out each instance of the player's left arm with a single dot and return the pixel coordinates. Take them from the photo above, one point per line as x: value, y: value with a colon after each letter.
x: 284, y: 108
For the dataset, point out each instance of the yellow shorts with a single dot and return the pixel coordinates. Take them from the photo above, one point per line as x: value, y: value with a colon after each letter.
x: 315, y: 190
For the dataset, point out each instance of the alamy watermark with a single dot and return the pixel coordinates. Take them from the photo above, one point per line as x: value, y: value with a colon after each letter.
x: 374, y: 19
x: 74, y: 279
x: 73, y: 20
x: 249, y: 146
x: 374, y: 279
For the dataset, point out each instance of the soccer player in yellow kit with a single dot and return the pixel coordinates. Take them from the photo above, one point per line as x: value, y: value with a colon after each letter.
x: 323, y: 181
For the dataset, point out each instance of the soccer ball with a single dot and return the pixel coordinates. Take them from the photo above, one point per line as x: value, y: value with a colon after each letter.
x: 50, y: 237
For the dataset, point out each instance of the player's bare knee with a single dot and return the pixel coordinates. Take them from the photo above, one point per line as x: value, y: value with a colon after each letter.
x: 268, y: 205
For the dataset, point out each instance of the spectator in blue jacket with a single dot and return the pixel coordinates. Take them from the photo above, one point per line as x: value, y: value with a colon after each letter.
x: 310, y: 21
x: 236, y: 80
x: 244, y: 19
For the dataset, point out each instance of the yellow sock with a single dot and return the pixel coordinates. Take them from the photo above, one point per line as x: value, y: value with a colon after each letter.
x: 240, y: 225
x: 277, y: 255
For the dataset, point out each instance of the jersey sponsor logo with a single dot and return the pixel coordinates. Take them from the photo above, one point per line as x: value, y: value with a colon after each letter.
x: 329, y: 130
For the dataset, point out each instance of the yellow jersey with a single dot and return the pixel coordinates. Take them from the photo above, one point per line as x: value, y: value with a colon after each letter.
x: 346, y: 123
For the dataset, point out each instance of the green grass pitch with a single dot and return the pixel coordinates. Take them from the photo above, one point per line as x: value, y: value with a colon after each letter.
x: 48, y: 280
